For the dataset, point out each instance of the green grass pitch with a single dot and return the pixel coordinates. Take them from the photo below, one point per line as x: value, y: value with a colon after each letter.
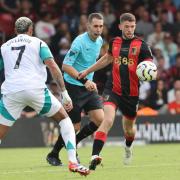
x: 150, y: 162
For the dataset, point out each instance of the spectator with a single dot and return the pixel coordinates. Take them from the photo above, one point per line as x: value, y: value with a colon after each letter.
x: 108, y: 15
x: 62, y: 31
x: 174, y: 107
x: 82, y: 24
x: 64, y: 46
x: 27, y: 10
x: 178, y: 41
x: 163, y: 18
x: 6, y: 25
x: 170, y: 8
x: 10, y: 6
x: 157, y: 36
x: 157, y: 12
x: 176, y: 25
x: 174, y: 71
x: 105, y: 34
x: 158, y: 97
x: 44, y: 29
x: 70, y: 16
x: 169, y: 48
x: 84, y: 7
x: 158, y: 54
x: 171, y: 92
x: 144, y: 26
x: 52, y: 7
x: 162, y: 72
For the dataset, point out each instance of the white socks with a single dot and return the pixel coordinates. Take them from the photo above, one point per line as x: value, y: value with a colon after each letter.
x: 68, y: 135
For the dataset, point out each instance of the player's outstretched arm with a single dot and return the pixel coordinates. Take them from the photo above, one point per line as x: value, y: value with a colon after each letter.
x: 89, y: 85
x: 70, y: 70
x: 101, y: 63
x: 57, y: 76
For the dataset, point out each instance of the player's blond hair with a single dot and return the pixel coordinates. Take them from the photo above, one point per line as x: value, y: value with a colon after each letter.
x: 22, y: 24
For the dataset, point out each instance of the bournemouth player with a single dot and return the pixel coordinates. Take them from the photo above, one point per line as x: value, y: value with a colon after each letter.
x: 125, y: 53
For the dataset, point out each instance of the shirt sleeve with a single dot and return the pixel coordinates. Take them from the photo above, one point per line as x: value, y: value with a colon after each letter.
x: 1, y: 62
x: 73, y: 53
x: 45, y: 52
x: 145, y: 53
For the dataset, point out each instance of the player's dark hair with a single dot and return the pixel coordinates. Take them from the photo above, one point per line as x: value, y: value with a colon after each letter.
x: 127, y: 17
x: 95, y: 15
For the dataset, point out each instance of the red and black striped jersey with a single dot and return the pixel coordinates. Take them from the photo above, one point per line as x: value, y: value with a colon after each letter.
x: 127, y: 54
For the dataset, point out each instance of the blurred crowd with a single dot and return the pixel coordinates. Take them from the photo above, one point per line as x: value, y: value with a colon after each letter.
x: 58, y: 22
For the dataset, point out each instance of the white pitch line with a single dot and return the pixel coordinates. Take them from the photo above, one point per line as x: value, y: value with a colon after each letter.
x: 60, y: 170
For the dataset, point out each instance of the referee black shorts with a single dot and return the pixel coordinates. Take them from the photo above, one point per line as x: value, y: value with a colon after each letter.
x: 82, y: 100
x: 127, y: 104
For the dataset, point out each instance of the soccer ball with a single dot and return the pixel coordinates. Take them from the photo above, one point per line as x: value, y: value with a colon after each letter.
x: 146, y: 71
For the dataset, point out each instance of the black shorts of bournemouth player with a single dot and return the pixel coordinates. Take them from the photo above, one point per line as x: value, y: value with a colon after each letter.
x: 83, y: 53
x: 125, y: 53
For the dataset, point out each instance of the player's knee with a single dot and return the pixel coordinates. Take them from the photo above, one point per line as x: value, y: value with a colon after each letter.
x: 60, y: 115
x: 98, y: 120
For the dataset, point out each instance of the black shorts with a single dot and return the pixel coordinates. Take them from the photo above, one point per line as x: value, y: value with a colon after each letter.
x: 128, y: 105
x: 82, y: 100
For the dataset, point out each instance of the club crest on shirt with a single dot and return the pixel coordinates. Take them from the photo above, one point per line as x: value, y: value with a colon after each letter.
x: 134, y: 50
x: 72, y: 53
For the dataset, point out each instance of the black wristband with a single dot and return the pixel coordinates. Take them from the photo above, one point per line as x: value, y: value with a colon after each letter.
x: 83, y: 80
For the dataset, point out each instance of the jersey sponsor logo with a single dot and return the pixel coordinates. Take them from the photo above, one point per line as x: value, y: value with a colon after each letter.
x: 124, y: 49
x: 123, y: 60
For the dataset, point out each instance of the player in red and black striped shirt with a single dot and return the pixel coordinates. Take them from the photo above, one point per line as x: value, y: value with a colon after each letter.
x: 125, y: 53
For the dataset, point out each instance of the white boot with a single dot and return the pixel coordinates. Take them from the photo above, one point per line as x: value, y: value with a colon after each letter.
x: 127, y: 155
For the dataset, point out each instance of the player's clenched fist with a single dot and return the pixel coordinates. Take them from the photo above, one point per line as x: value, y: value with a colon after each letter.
x: 90, y: 86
